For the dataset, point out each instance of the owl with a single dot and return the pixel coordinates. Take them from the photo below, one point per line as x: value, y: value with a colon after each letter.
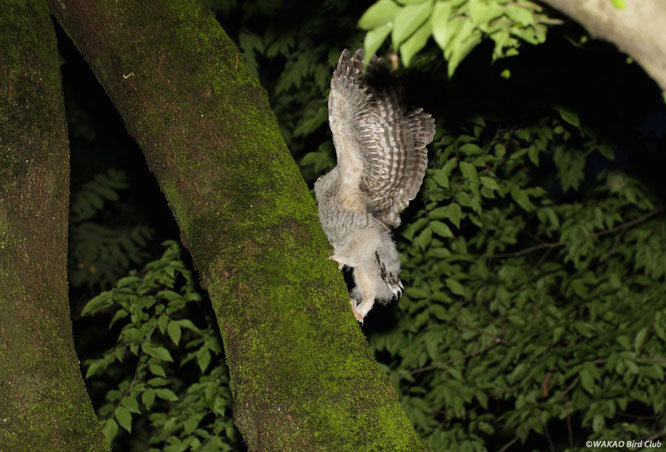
x: 381, y: 160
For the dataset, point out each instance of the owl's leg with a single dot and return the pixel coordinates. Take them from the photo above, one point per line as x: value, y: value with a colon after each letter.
x: 389, y: 276
x: 364, y: 285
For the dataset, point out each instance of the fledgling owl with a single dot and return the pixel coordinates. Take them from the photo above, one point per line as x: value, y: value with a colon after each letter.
x: 381, y: 160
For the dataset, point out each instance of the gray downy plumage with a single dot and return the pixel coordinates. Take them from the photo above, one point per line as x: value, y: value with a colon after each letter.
x: 381, y: 160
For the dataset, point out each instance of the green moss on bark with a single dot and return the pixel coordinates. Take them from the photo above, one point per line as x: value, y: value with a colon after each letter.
x: 301, y: 372
x: 43, y: 399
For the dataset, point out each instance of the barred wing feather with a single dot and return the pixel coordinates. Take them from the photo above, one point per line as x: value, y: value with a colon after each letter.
x: 380, y: 146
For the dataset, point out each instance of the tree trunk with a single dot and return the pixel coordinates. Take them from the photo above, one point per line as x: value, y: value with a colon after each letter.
x: 43, y: 401
x: 639, y: 29
x: 301, y: 372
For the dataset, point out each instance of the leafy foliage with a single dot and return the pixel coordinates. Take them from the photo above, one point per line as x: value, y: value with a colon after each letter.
x: 457, y: 26
x: 156, y: 339
x: 524, y: 310
x: 98, y: 254
x: 89, y: 199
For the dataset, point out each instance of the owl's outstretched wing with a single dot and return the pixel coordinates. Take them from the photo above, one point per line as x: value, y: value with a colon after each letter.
x: 380, y: 146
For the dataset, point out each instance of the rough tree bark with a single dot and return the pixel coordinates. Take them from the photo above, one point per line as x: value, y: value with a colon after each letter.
x: 43, y: 401
x: 639, y: 29
x: 301, y: 372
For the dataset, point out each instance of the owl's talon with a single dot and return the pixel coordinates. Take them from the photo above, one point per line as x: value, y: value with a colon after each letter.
x: 335, y: 258
x: 357, y: 315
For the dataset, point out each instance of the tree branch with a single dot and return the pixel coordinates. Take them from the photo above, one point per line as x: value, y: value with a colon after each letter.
x: 638, y: 29
x: 43, y: 401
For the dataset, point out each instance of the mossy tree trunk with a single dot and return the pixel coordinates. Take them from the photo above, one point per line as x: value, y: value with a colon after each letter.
x: 43, y: 401
x: 301, y: 372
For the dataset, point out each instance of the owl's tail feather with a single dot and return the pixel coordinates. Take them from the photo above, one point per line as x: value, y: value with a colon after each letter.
x: 391, y: 279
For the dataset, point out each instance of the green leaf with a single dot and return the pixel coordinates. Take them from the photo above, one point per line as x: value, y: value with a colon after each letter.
x: 417, y: 292
x: 174, y: 331
x: 220, y: 406
x: 378, y: 14
x: 110, y: 429
x: 452, y: 212
x: 157, y: 381
x: 631, y: 366
x: 486, y: 428
x: 469, y: 172
x: 470, y: 149
x: 450, y: 165
x: 187, y: 324
x: 158, y: 370
x: 441, y: 229
x: 415, y: 43
x: 120, y: 314
x: 587, y: 381
x: 620, y: 4
x: 148, y: 397
x: 533, y: 154
x: 169, y: 295
x: 432, y: 341
x: 464, y: 42
x: 521, y: 198
x: 131, y: 404
x: 191, y: 423
x: 98, y: 303
x: 455, y: 287
x: 568, y: 116
x: 203, y: 359
x: 158, y: 352
x: 113, y: 395
x: 557, y: 333
x: 606, y: 150
x: 166, y: 394
x: 127, y: 281
x: 439, y: 312
x: 408, y: 20
x: 93, y: 367
x: 162, y: 322
x: 598, y: 423
x: 639, y: 340
x: 500, y: 150
x: 489, y: 183
x: 624, y: 341
x: 412, y: 228
x: 440, y: 176
x: 423, y: 240
x: 442, y: 31
x: 522, y: 15
x: 455, y: 213
x: 124, y: 418
x: 481, y: 12
x: 374, y: 39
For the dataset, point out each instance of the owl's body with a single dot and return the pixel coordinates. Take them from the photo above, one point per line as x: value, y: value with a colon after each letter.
x: 381, y: 160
